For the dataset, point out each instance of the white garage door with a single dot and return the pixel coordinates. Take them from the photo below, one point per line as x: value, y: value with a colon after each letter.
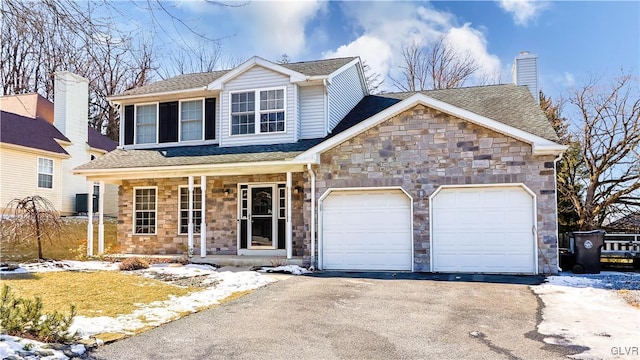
x: 366, y: 230
x: 487, y: 230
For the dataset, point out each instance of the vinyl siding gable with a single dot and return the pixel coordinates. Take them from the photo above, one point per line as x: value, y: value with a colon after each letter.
x: 258, y: 78
x: 345, y: 91
x: 312, y: 109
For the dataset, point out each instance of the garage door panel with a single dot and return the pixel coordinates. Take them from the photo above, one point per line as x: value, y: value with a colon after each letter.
x: 366, y: 230
x: 483, y: 230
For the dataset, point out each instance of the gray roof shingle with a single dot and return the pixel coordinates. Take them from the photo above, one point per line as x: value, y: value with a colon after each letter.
x: 200, y: 80
x: 509, y: 104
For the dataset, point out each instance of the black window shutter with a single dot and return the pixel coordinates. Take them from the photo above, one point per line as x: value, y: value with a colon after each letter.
x: 210, y: 119
x: 168, y: 122
x: 129, y: 121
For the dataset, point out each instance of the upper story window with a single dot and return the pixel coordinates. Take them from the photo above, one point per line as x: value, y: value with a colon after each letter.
x: 170, y: 122
x: 191, y: 120
x: 146, y: 118
x: 45, y: 173
x: 267, y: 117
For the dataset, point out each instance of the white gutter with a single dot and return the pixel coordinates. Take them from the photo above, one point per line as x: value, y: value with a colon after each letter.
x: 312, y: 175
x: 115, y: 98
x: 198, y: 167
x: 289, y: 223
x: 555, y: 180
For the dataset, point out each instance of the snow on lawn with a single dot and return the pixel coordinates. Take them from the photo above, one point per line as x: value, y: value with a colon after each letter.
x: 585, y: 310
x: 220, y: 285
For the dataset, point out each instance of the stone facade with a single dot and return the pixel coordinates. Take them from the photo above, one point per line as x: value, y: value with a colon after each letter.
x: 418, y: 150
x: 221, y: 215
x: 422, y: 149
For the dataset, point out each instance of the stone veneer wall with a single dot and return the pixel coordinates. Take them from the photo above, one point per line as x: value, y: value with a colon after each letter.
x: 422, y: 149
x: 220, y: 217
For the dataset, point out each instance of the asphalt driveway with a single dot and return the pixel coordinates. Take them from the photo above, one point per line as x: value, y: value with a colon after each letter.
x: 356, y: 317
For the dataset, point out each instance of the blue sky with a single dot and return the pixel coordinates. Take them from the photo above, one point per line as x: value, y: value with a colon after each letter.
x: 574, y: 40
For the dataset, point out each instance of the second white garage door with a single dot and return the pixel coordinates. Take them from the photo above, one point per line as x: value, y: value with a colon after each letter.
x: 483, y: 229
x: 366, y: 230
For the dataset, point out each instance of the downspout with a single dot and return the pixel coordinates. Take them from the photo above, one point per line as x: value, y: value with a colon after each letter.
x: 555, y: 180
x: 312, y: 175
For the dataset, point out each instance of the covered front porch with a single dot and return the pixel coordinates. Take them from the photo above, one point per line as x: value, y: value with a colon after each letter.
x: 233, y: 216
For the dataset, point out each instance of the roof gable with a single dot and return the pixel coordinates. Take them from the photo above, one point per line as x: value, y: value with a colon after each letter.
x: 255, y: 61
x: 375, y: 109
x: 212, y: 80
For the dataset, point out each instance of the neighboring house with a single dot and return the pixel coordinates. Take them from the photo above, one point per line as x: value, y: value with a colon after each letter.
x: 298, y: 160
x: 41, y: 142
x: 629, y: 223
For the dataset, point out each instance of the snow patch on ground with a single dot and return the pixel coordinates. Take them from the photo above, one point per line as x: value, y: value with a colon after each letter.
x: 222, y: 285
x: 289, y: 269
x: 583, y: 310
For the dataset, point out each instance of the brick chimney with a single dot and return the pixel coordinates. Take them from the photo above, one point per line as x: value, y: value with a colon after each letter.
x: 525, y: 72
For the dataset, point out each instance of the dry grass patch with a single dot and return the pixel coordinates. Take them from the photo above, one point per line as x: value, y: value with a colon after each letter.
x: 100, y: 293
x: 71, y: 243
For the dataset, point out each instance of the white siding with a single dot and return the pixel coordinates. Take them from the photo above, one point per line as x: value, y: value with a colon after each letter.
x: 19, y: 177
x: 525, y: 72
x: 345, y: 91
x: 71, y: 118
x: 312, y: 122
x: 258, y: 78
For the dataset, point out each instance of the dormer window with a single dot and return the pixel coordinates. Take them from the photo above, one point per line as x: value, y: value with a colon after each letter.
x: 267, y: 118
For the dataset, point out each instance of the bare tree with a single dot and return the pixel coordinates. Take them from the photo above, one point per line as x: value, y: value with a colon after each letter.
x: 43, y: 37
x: 437, y: 66
x: 33, y: 218
x: 373, y: 79
x: 602, y: 177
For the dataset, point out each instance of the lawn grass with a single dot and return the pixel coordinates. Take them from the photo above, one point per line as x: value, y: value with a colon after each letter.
x: 99, y: 293
x: 71, y: 244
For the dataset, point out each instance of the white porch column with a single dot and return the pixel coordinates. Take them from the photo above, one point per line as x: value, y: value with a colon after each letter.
x: 203, y: 226
x: 101, y: 217
x: 90, y: 219
x: 289, y: 231
x: 190, y: 217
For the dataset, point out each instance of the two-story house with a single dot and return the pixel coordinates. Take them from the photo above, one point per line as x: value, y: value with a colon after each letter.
x: 299, y: 161
x: 41, y: 142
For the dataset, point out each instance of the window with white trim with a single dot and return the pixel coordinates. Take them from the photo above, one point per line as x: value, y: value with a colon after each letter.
x: 184, y: 209
x: 191, y: 120
x: 268, y: 117
x: 145, y: 212
x: 45, y: 173
x: 146, y: 119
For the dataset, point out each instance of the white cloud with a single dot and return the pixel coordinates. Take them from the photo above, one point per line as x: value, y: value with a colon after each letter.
x: 277, y: 29
x: 375, y: 52
x: 523, y: 11
x: 386, y: 27
x: 469, y: 40
x: 264, y: 28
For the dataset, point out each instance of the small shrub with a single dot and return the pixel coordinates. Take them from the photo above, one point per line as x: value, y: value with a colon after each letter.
x: 28, y: 347
x: 24, y: 318
x: 134, y: 263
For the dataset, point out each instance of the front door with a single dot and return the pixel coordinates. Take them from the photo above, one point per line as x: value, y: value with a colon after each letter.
x: 261, y: 217
x: 261, y: 212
